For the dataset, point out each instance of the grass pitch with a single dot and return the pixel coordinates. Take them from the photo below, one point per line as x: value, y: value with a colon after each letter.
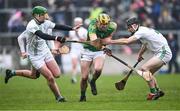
x: 26, y: 94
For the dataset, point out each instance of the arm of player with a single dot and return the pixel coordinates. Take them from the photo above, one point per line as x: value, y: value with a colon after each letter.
x: 66, y: 27
x: 141, y: 52
x: 107, y: 40
x: 93, y: 36
x: 22, y: 45
x: 122, y: 41
x: 49, y: 37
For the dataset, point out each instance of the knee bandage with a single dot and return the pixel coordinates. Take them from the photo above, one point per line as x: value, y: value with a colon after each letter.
x: 146, y: 75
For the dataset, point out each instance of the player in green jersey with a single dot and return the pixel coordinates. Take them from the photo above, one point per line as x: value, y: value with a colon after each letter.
x: 99, y: 28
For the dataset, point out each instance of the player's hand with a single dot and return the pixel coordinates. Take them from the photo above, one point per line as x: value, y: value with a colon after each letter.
x: 54, y: 51
x: 140, y: 58
x: 61, y: 39
x: 107, y: 51
x: 62, y: 50
x: 77, y: 27
x: 97, y: 43
x: 23, y: 55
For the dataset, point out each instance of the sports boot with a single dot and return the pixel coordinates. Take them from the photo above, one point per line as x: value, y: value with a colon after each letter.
x: 82, y: 99
x: 153, y: 96
x: 93, y: 87
x: 8, y: 75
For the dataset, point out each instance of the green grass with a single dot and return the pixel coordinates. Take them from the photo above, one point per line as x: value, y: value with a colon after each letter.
x: 27, y: 94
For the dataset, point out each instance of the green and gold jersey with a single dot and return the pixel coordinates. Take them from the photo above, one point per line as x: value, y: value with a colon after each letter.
x: 93, y: 29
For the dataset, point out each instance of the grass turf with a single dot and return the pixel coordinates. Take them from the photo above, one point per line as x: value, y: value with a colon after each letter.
x: 27, y: 94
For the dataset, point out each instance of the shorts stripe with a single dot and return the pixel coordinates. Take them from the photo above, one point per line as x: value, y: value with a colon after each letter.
x: 163, y: 53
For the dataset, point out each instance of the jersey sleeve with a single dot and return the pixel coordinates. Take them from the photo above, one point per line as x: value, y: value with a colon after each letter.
x: 50, y: 24
x: 32, y: 27
x: 92, y: 27
x: 139, y: 34
x: 113, y: 26
x: 21, y: 41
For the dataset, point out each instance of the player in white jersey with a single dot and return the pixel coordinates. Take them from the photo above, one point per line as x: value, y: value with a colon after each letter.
x: 33, y: 73
x: 153, y: 41
x: 76, y: 48
x: 38, y: 51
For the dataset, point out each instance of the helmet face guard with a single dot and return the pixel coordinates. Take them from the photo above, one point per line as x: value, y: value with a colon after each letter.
x: 132, y: 21
x: 103, y: 21
x: 39, y: 11
x: 102, y: 27
x: 130, y: 24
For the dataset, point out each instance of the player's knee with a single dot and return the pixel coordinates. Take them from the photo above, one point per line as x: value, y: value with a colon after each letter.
x: 50, y: 79
x: 144, y: 68
x: 84, y: 78
x: 56, y: 75
x: 35, y: 75
x: 98, y: 71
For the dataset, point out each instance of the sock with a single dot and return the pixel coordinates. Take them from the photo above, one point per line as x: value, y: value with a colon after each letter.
x: 83, y: 93
x: 157, y: 88
x: 58, y: 98
x: 74, y: 77
x: 153, y: 90
x: 93, y: 80
x: 13, y: 72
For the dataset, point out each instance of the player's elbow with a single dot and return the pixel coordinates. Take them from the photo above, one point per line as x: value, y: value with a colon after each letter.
x: 19, y: 38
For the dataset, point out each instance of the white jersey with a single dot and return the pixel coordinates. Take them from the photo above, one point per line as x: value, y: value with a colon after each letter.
x: 80, y: 34
x: 22, y: 41
x: 36, y: 45
x: 154, y: 40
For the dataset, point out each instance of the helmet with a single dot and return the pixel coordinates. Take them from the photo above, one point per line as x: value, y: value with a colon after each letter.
x: 78, y: 19
x: 131, y: 21
x: 103, y: 18
x: 39, y: 10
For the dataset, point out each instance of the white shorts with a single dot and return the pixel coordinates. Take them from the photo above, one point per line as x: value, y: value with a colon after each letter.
x: 76, y: 53
x: 76, y: 50
x: 88, y: 55
x: 164, y: 54
x: 38, y: 61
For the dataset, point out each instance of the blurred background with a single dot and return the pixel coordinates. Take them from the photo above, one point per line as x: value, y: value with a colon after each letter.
x: 163, y: 15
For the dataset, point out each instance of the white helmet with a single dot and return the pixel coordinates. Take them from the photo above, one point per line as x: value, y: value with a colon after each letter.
x: 78, y: 20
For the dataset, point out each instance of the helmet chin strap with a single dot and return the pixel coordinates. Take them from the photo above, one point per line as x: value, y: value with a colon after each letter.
x: 135, y: 29
x: 37, y: 21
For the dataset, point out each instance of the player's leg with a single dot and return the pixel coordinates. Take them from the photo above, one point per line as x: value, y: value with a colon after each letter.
x: 32, y: 74
x: 85, y: 65
x: 98, y: 64
x: 91, y: 71
x: 53, y: 67
x: 160, y: 59
x: 39, y: 62
x: 51, y: 82
x: 74, y: 69
x: 54, y: 70
x: 153, y: 65
x: 153, y: 71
